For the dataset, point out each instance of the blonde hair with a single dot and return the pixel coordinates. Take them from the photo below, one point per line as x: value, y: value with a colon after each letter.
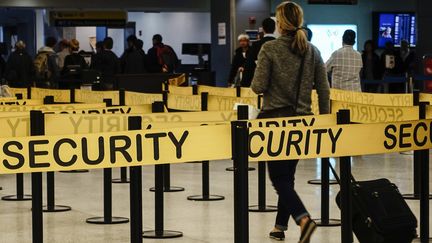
x: 243, y: 37
x: 289, y: 17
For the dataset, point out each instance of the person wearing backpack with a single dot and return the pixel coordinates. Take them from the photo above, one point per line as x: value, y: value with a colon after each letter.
x: 46, y: 66
x: 162, y: 58
x: 19, y: 67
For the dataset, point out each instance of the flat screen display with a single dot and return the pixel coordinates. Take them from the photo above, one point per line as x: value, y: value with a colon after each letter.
x: 328, y: 37
x: 395, y: 27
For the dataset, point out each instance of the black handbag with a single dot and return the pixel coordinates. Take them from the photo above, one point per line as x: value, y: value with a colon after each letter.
x: 286, y: 111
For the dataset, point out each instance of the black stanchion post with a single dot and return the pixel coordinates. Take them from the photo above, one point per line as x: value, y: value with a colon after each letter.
x: 159, y: 232
x: 136, y: 217
x: 343, y: 117
x: 72, y: 100
x: 205, y: 168
x: 424, y: 185
x: 240, y: 151
x: 51, y: 207
x: 123, y: 171
x: 238, y: 91
x: 262, y: 206
x: 107, y: 198
x: 19, y: 96
x: 29, y: 88
x: 167, y: 167
x: 194, y: 89
x: 72, y: 96
x: 37, y: 129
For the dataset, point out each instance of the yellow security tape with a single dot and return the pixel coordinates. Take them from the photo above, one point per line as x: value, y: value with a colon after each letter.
x: 268, y: 144
x: 374, y: 114
x: 184, y: 102
x: 60, y: 95
x: 371, y: 98
x: 300, y: 121
x: 89, y: 96
x: 425, y: 97
x: 15, y: 91
x: 8, y: 98
x: 51, y: 108
x: 108, y: 150
x: 21, y: 102
x: 223, y: 103
x: 135, y: 98
x: 219, y: 91
x: 180, y: 90
x: 247, y: 92
x: 95, y: 123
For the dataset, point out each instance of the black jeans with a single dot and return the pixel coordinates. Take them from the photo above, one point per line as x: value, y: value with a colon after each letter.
x: 282, y: 175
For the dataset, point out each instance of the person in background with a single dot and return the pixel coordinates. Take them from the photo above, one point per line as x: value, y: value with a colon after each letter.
x: 239, y: 60
x: 73, y: 61
x: 108, y: 65
x: 161, y: 58
x: 46, y: 65
x: 391, y: 66
x: 269, y: 27
x: 371, y: 67
x: 63, y: 53
x: 287, y: 69
x: 407, y: 57
x: 133, y: 60
x: 19, y: 67
x: 95, y: 59
x: 345, y: 65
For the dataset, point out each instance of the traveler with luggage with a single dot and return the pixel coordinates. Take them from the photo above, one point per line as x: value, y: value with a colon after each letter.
x: 162, y: 58
x: 287, y: 69
x: 46, y: 65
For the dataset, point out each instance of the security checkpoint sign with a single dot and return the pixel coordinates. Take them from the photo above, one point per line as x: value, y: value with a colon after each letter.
x: 109, y: 150
x: 267, y: 144
x: 361, y: 113
x: 371, y: 98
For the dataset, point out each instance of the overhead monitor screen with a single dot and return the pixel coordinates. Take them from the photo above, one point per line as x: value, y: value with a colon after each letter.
x: 328, y: 37
x: 395, y: 27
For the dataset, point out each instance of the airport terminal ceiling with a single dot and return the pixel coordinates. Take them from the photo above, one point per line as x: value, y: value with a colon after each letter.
x: 147, y: 5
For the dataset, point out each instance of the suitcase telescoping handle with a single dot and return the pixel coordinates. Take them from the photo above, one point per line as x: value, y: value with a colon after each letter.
x: 335, y: 174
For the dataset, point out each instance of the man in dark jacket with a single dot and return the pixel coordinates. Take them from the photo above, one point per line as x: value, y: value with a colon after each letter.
x: 108, y: 64
x: 269, y: 27
x: 239, y: 60
x: 133, y: 59
x: 161, y: 58
x: 19, y: 67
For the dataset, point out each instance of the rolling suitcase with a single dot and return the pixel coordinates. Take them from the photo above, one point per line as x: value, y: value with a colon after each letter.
x: 380, y: 214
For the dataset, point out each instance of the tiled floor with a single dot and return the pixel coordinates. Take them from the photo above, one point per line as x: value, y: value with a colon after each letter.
x: 199, y: 221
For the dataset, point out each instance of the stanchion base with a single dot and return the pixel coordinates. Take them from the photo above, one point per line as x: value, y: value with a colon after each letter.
x: 266, y: 209
x: 413, y: 196
x: 318, y: 182
x: 329, y: 223
x: 232, y: 169
x: 209, y: 198
x: 56, y: 209
x: 74, y: 171
x: 120, y: 181
x: 101, y: 220
x: 171, y: 189
x: 15, y: 198
x: 166, y: 234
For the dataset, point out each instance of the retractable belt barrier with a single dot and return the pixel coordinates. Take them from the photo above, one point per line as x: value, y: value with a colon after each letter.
x: 123, y: 149
x: 20, y: 102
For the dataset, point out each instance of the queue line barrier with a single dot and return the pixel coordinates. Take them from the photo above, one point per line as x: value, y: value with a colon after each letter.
x: 137, y: 148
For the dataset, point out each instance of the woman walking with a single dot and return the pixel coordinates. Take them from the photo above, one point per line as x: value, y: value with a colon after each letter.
x: 288, y: 69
